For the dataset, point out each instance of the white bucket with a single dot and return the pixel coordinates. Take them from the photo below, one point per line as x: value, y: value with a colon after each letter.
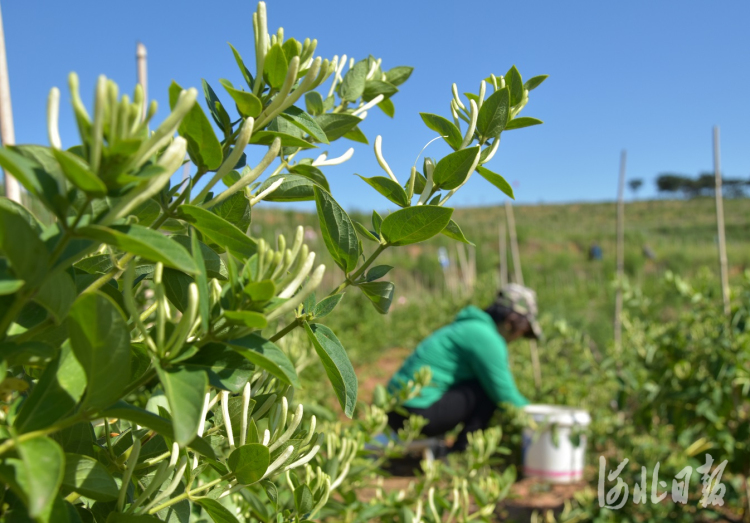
x: 561, y: 462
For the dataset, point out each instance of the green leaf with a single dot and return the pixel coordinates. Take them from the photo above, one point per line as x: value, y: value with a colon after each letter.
x: 444, y: 128
x: 249, y: 463
x: 356, y: 135
x: 218, y: 512
x: 176, y: 288
x: 312, y: 172
x: 225, y: 368
x: 494, y: 114
x: 79, y: 439
x: 31, y: 175
x: 254, y: 320
x: 304, y: 121
x: 380, y: 293
x: 514, y: 83
x: 388, y: 188
x: 241, y: 64
x: 387, y: 107
x: 247, y: 103
x: 201, y: 280
x: 116, y: 517
x: 260, y: 291
x: 452, y: 230
x: 236, y: 210
x: 415, y: 224
x: 55, y: 395
x: 294, y: 188
x: 338, y: 231
x: 185, y: 389
x: 291, y: 48
x: 216, y: 108
x: 337, y: 125
x: 303, y: 499
x: 100, y: 339
x: 276, y: 66
x: 370, y: 235
x: 56, y: 295
x: 214, y: 265
x: 353, y: 84
x: 377, y: 221
x: 325, y: 306
x: 27, y: 254
x: 267, y: 356
x: 23, y: 212
x: 79, y: 174
x: 287, y: 140
x: 496, y: 180
x: 420, y: 182
x: 219, y: 231
x: 43, y: 466
x: 203, y: 145
x: 34, y: 353
x: 521, y: 122
x: 453, y: 170
x: 534, y: 82
x: 271, y: 491
x: 314, y: 103
x: 374, y: 88
x: 156, y: 423
x: 377, y: 272
x: 398, y: 75
x: 336, y: 364
x: 144, y: 242
x: 89, y: 478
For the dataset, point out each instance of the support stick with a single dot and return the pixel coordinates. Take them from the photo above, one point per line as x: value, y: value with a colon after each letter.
x: 503, y: 257
x: 620, y: 252
x: 140, y: 57
x: 535, y: 365
x: 720, y: 224
x: 7, y: 134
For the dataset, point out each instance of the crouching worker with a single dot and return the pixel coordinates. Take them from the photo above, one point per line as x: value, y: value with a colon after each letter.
x: 469, y: 363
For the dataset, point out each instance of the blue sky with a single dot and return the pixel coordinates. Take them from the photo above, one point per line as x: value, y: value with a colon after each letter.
x: 651, y: 77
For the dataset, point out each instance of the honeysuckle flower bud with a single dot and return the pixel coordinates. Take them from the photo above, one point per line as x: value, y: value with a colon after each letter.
x: 474, y: 113
x: 322, y: 160
x: 381, y: 159
x: 97, y: 130
x: 459, y: 103
x: 493, y: 150
x: 482, y: 92
x: 258, y: 413
x: 53, y: 117
x: 315, y: 278
x: 271, y: 188
x: 304, y: 270
x: 290, y: 430
x: 273, y: 467
x: 372, y: 103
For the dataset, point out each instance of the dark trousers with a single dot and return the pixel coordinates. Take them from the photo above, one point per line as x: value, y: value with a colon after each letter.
x: 465, y: 403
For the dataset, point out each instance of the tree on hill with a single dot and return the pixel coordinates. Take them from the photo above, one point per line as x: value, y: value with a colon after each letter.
x: 703, y: 185
x: 635, y: 184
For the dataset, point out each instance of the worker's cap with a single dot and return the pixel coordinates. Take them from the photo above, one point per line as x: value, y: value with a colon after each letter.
x: 522, y: 300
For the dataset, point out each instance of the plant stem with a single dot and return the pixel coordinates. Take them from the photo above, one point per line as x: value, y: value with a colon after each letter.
x: 11, y: 443
x: 189, y: 494
x: 283, y: 332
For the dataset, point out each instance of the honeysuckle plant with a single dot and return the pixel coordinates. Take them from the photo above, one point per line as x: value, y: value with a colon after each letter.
x: 141, y: 378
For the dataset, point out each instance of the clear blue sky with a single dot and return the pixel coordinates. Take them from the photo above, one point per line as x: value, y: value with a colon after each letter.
x: 651, y: 77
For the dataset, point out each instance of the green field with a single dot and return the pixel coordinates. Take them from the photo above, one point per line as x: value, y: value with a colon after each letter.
x: 553, y: 241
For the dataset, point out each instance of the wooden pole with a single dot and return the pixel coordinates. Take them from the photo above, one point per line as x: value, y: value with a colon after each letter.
x: 620, y: 252
x: 518, y: 273
x: 535, y: 365
x: 140, y: 58
x: 503, y: 256
x: 7, y: 134
x: 720, y: 224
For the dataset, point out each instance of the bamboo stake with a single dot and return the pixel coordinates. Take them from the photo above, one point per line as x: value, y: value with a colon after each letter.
x: 503, y: 257
x: 463, y: 264
x: 140, y: 58
x: 620, y: 252
x: 7, y: 134
x: 518, y: 274
x: 535, y: 365
x: 720, y: 224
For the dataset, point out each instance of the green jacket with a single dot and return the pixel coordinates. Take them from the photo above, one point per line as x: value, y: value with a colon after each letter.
x: 470, y: 348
